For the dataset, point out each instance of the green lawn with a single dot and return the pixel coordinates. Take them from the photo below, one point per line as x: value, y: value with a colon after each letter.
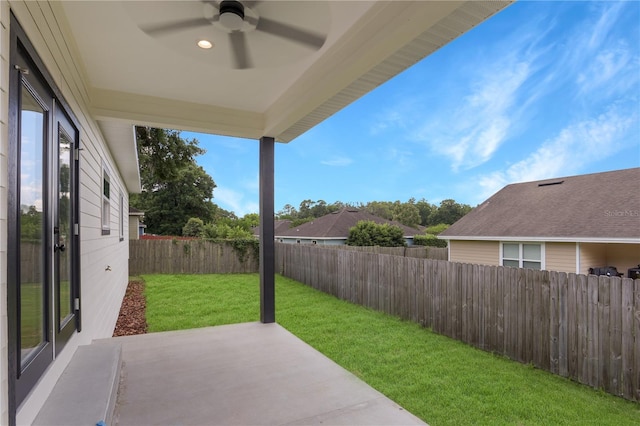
x: 438, y: 379
x: 31, y: 315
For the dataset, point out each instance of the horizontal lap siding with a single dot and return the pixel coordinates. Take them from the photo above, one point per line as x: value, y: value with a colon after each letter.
x: 475, y: 252
x: 560, y: 257
x: 4, y: 177
x: 104, y: 259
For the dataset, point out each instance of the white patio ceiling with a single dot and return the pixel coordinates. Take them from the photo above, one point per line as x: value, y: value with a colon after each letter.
x: 137, y: 75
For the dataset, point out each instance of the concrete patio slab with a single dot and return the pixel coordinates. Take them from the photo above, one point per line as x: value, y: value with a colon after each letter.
x: 241, y: 374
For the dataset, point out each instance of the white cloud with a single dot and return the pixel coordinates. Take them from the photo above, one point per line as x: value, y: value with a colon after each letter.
x: 474, y: 129
x: 607, y: 19
x: 599, y: 59
x: 401, y: 115
x: 234, y: 201
x: 337, y: 161
x: 567, y: 153
x: 402, y: 158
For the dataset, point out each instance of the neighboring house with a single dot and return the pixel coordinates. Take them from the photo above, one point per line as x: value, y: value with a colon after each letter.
x: 136, y: 227
x: 76, y: 77
x: 279, y: 226
x: 333, y: 228
x: 567, y: 224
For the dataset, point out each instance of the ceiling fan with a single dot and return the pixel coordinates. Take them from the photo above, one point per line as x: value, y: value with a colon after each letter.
x: 237, y: 19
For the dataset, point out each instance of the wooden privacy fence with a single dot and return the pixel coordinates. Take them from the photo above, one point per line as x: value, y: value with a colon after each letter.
x: 421, y: 252
x: 586, y: 328
x: 188, y: 257
x: 194, y: 256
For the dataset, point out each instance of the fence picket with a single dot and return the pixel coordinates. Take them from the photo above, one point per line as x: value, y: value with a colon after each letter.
x: 568, y: 330
x: 584, y: 328
x: 554, y: 323
x: 615, y: 341
x: 627, y: 314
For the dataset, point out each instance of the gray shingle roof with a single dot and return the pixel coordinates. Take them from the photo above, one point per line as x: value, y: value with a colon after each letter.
x: 279, y: 226
x: 599, y: 206
x: 337, y: 225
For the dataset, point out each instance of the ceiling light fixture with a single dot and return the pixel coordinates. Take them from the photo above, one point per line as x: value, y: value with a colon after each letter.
x: 231, y: 14
x: 205, y: 44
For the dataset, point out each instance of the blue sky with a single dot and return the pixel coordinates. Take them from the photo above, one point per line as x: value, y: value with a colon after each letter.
x: 541, y: 90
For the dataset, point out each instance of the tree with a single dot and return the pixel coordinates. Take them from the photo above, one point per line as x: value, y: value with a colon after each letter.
x: 174, y: 187
x: 287, y: 212
x: 406, y: 213
x: 383, y: 209
x: 193, y: 228
x: 369, y: 233
x: 448, y: 212
x: 437, y: 229
x: 250, y: 220
x: 162, y: 153
x: 225, y: 232
x: 30, y: 224
x: 425, y: 209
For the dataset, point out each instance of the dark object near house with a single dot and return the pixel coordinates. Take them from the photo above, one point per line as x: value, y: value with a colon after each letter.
x: 634, y: 273
x: 610, y: 271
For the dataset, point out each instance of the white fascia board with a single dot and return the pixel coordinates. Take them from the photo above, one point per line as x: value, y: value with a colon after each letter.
x: 545, y: 239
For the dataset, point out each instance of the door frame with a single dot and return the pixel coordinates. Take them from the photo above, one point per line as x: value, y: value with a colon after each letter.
x: 20, y: 46
x: 62, y: 335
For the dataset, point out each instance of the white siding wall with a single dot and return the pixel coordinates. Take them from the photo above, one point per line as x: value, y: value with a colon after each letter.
x: 102, y: 290
x: 4, y: 176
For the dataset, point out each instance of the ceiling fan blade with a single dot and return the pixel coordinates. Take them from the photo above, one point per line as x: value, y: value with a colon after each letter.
x: 213, y: 3
x: 289, y: 32
x: 239, y: 50
x: 175, y: 26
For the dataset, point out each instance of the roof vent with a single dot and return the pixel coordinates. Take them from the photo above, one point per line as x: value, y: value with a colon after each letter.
x: 558, y: 182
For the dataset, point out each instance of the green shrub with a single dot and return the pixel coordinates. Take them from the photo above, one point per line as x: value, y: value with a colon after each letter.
x: 428, y: 240
x: 437, y: 229
x: 369, y: 233
x: 193, y: 228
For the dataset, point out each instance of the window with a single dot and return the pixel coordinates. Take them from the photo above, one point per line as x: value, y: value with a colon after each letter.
x: 121, y: 217
x: 106, y: 203
x: 522, y: 255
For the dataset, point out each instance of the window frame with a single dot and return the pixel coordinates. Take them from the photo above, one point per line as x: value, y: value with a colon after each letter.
x: 521, y: 259
x: 121, y: 224
x: 105, y: 202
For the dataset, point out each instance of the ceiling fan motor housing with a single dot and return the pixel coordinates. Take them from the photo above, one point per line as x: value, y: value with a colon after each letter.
x: 232, y: 6
x: 231, y: 14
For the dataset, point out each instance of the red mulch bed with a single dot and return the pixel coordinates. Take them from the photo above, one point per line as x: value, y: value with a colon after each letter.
x: 132, y: 319
x: 166, y: 237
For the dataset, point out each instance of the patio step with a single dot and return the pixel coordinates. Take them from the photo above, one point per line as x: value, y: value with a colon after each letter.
x: 86, y: 392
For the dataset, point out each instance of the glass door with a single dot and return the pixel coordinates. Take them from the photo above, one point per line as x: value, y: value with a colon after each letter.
x: 43, y: 293
x: 34, y: 329
x: 64, y: 246
x: 33, y: 274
